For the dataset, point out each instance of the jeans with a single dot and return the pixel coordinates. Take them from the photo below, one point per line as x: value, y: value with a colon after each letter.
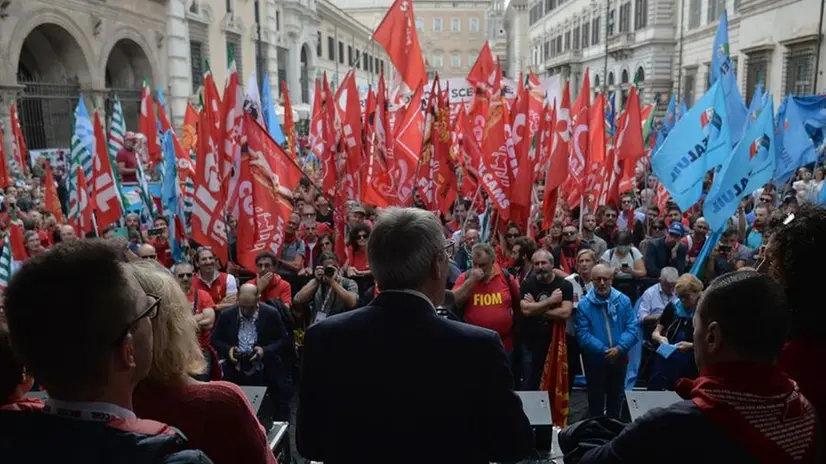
x: 533, y: 363
x: 606, y: 382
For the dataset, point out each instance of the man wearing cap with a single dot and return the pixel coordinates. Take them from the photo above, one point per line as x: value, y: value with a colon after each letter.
x: 127, y: 160
x: 667, y: 251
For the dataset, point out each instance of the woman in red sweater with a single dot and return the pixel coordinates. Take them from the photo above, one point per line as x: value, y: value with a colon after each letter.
x: 215, y: 416
x: 794, y: 256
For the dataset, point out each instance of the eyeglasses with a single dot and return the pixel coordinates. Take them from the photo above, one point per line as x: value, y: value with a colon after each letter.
x: 511, y: 235
x: 569, y: 233
x: 149, y: 257
x: 609, y: 215
x: 151, y: 312
x: 602, y: 279
x: 765, y: 200
x: 361, y: 236
x: 185, y: 274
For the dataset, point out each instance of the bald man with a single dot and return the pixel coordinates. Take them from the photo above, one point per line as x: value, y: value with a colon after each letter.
x: 251, y: 337
x: 147, y: 251
x: 67, y: 233
x: 606, y: 328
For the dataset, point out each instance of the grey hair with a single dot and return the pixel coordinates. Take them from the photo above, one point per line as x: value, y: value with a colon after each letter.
x: 402, y: 247
x: 480, y: 248
x: 669, y: 274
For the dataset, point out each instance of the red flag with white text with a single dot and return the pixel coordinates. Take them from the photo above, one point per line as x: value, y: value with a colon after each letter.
x: 105, y: 198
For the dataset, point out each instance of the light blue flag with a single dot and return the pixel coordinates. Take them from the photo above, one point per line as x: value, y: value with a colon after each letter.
x: 750, y: 166
x: 85, y: 132
x: 722, y: 69
x: 161, y: 99
x: 795, y: 147
x: 711, y: 242
x: 270, y: 118
x: 669, y: 120
x: 758, y: 101
x: 171, y: 195
x: 698, y: 143
x: 683, y: 110
x: 813, y: 111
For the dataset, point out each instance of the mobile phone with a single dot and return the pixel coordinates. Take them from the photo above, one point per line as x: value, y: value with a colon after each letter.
x: 625, y: 265
x: 154, y: 232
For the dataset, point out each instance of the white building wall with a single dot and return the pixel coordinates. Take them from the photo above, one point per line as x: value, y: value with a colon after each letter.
x: 758, y: 29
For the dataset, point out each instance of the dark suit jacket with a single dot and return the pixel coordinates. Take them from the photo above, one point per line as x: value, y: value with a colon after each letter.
x: 272, y: 336
x: 658, y: 256
x: 394, y: 382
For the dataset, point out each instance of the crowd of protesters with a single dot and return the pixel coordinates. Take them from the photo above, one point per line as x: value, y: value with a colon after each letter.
x: 129, y: 340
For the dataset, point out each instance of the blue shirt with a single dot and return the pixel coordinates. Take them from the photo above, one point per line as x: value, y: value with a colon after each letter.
x: 653, y: 302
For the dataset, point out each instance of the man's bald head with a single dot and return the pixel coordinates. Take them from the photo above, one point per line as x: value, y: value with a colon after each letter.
x: 147, y: 251
x: 67, y: 233
x: 602, y: 276
x: 247, y: 293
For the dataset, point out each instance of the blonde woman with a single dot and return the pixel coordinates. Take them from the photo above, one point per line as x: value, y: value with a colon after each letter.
x: 215, y: 416
x: 675, y: 335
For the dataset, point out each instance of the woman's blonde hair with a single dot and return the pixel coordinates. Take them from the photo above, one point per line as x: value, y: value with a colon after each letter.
x: 688, y: 283
x: 176, y: 351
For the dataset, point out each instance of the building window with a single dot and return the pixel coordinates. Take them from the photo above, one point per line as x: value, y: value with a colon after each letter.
x: 567, y: 41
x: 586, y: 33
x: 596, y: 81
x: 366, y: 62
x: 640, y: 14
x: 283, y: 56
x: 799, y: 66
x: 304, y: 75
x: 376, y: 64
x: 474, y: 24
x: 595, y: 31
x: 341, y: 52
x: 437, y: 60
x: 382, y: 65
x: 547, y: 50
x: 331, y: 49
x: 611, y: 79
x: 715, y: 10
x: 437, y: 24
x: 455, y: 60
x: 548, y: 6
x: 559, y: 43
x: 196, y: 63
x: 610, y: 24
x: 576, y: 37
x: 318, y: 51
x: 420, y: 25
x: 694, y: 13
x: 639, y: 76
x: 689, y: 82
x: 230, y: 6
x: 277, y: 20
x: 455, y: 25
x: 625, y: 17
x: 350, y: 55
x: 757, y: 70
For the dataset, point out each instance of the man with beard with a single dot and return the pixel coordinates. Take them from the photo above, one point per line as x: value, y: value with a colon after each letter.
x: 666, y: 251
x: 589, y: 238
x: 566, y: 252
x: 631, y: 219
x: 222, y: 287
x: 609, y: 225
x: 752, y: 236
x: 547, y: 301
x: 523, y: 250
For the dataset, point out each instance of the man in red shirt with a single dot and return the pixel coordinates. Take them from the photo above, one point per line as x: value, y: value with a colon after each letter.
x: 222, y: 287
x: 309, y: 216
x: 159, y: 238
x: 271, y: 287
x: 127, y: 160
x: 486, y: 295
x: 204, y: 313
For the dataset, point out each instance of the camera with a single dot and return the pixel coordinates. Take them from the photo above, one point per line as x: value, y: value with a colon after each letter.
x: 329, y: 271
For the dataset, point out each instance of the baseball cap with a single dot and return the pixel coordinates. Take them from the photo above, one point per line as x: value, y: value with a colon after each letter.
x: 676, y: 228
x: 358, y: 209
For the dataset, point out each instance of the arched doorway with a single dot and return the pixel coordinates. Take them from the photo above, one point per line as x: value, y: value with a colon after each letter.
x: 305, y: 75
x: 126, y: 69
x: 50, y: 69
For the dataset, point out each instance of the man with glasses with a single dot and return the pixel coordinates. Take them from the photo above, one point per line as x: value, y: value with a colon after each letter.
x: 631, y: 219
x: 203, y: 310
x: 327, y: 293
x: 251, y: 338
x: 589, y: 238
x: 694, y: 242
x: 609, y: 225
x: 96, y: 346
x: 565, y: 253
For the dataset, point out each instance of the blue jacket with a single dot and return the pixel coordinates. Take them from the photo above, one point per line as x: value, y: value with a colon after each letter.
x: 604, y: 324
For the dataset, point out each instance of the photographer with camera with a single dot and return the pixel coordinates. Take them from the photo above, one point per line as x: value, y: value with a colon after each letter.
x: 327, y: 294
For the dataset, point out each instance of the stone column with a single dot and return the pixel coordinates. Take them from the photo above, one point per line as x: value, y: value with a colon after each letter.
x: 8, y: 94
x: 179, y: 71
x: 294, y: 69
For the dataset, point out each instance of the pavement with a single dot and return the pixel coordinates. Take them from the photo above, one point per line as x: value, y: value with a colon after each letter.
x: 578, y: 410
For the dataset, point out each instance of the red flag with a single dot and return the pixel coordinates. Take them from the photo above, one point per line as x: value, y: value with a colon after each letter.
x: 50, y: 199
x: 267, y: 177
x: 470, y: 155
x: 84, y: 223
x: 316, y: 138
x: 483, y: 75
x: 397, y: 35
x: 189, y: 138
x: 408, y: 141
x: 578, y: 151
x: 329, y: 159
x: 558, y: 169
x: 555, y: 375
x: 19, y: 151
x: 289, y: 124
x: 105, y: 198
x: 232, y: 120
x: 348, y: 109
x: 495, y: 168
x: 445, y: 165
x: 4, y: 165
x: 148, y: 127
x: 208, y: 226
x: 380, y: 185
x: 596, y: 167
x: 630, y: 147
x: 17, y: 241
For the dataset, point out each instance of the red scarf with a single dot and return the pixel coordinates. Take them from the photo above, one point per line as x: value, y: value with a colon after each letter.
x: 567, y: 257
x: 760, y: 407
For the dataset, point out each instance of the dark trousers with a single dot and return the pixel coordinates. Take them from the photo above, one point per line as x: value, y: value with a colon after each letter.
x: 606, y: 382
x: 533, y: 363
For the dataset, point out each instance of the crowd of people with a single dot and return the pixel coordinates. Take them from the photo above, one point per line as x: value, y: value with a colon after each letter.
x: 149, y: 353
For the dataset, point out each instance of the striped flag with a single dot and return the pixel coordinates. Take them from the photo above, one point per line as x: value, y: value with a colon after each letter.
x: 79, y: 211
x: 85, y: 132
x: 6, y: 265
x: 117, y: 133
x: 143, y: 188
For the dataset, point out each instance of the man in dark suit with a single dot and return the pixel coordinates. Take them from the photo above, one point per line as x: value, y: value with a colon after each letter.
x: 395, y: 382
x: 251, y: 338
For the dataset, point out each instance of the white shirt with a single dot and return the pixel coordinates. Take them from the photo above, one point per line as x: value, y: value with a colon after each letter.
x: 616, y: 261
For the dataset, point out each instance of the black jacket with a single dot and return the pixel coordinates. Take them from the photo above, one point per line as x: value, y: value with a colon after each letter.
x: 40, y: 438
x: 678, y: 434
x: 658, y: 256
x: 272, y: 336
x: 394, y: 382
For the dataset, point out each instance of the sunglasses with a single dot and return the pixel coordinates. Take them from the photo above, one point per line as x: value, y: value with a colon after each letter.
x: 149, y: 257
x: 511, y: 235
x: 361, y: 236
x: 185, y: 274
x: 151, y: 312
x: 570, y: 233
x: 657, y: 228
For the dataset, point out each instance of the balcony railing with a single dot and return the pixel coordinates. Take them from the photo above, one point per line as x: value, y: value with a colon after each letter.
x: 564, y: 58
x: 621, y: 43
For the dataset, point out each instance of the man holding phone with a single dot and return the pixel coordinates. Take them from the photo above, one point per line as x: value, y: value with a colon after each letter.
x: 728, y: 255
x: 327, y: 293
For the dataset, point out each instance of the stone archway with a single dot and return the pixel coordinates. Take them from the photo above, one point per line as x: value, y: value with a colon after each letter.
x: 304, y: 76
x: 126, y: 68
x: 50, y: 68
